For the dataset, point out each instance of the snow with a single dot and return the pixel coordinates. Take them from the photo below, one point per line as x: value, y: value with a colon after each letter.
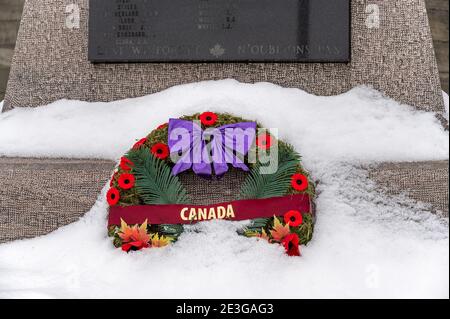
x: 357, y: 126
x: 366, y: 244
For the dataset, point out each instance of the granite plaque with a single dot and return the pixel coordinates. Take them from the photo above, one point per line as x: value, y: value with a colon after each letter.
x: 219, y: 31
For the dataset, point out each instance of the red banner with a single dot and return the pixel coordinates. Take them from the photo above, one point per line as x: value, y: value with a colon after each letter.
x: 187, y: 214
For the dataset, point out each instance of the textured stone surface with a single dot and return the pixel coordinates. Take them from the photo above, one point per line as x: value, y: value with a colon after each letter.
x: 206, y: 192
x: 50, y: 62
x: 38, y: 196
x: 426, y: 182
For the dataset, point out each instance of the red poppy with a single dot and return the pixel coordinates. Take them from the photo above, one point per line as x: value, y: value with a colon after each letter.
x: 208, y: 118
x: 112, y: 196
x: 135, y: 245
x: 294, y: 218
x: 162, y: 126
x: 125, y: 164
x: 139, y: 143
x: 160, y: 150
x: 126, y: 181
x: 290, y: 243
x: 299, y: 182
x: 264, y: 141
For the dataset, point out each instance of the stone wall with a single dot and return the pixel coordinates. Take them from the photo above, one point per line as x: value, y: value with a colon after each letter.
x: 10, y: 13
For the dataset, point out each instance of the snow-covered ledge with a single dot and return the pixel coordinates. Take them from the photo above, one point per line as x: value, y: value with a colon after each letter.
x: 338, y: 137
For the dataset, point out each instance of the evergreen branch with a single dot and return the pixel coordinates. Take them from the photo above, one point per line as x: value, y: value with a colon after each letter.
x: 170, y: 230
x: 154, y: 180
x: 255, y: 225
x: 259, y: 185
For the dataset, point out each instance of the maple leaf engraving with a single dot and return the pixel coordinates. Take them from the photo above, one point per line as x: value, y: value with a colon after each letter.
x: 217, y: 50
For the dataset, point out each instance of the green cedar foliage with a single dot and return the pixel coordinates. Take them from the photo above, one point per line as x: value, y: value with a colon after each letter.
x: 259, y: 185
x: 154, y: 180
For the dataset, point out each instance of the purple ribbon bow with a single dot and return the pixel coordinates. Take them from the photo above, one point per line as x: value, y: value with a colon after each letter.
x: 212, y: 148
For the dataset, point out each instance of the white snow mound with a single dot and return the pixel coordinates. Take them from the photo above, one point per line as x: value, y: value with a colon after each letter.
x: 365, y: 244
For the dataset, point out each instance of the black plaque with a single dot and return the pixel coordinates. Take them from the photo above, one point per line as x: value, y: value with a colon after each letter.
x: 219, y: 30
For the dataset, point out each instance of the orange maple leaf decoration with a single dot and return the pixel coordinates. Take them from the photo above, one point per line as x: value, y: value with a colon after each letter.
x: 134, y: 233
x: 162, y: 241
x: 279, y: 231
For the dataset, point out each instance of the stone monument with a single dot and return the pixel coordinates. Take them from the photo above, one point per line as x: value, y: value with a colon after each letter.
x: 391, y: 50
x: 61, y: 54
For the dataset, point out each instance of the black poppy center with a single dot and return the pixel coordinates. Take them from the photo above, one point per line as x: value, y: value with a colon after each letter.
x: 290, y: 245
x: 127, y: 181
x: 159, y: 151
x: 292, y: 218
x: 113, y: 196
x: 299, y: 182
x: 208, y: 118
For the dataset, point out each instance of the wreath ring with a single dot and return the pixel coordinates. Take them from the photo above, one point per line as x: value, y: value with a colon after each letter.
x: 147, y: 187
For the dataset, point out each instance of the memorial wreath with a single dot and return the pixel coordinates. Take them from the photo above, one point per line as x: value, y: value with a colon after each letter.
x: 148, y: 203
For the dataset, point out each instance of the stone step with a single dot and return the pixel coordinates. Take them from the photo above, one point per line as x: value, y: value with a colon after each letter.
x: 426, y: 182
x: 38, y: 196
